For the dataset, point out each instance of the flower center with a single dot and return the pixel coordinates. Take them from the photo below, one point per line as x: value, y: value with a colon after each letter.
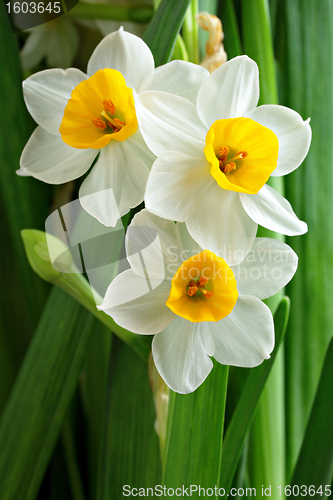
x: 243, y: 154
x: 203, y: 289
x: 100, y: 109
x: 228, y: 165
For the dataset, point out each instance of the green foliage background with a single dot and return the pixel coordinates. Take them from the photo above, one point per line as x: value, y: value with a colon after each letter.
x: 77, y: 412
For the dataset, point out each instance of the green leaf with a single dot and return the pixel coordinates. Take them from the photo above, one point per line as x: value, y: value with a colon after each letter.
x: 232, y: 42
x: 131, y: 13
x: 164, y: 27
x: 23, y: 203
x: 130, y: 451
x: 194, y: 433
x: 94, y: 390
x: 307, y: 76
x: 41, y: 395
x: 315, y: 461
x: 248, y: 402
x: 258, y: 45
x: 190, y: 32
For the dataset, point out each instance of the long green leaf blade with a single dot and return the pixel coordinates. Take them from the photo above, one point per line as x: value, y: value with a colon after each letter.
x: 25, y: 201
x: 318, y: 439
x: 129, y: 447
x: 307, y: 76
x: 195, y: 430
x: 164, y: 27
x: 41, y: 395
x: 248, y: 402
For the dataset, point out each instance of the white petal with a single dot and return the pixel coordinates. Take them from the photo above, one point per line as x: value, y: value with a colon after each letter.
x: 139, y: 147
x: 229, y: 92
x: 126, y: 53
x: 177, y: 77
x: 46, y: 95
x: 220, y: 224
x: 267, y: 268
x: 180, y: 357
x: 169, y: 122
x: 245, y: 337
x: 23, y: 172
x: 34, y: 49
x: 47, y: 158
x: 63, y: 44
x: 190, y: 246
x: 293, y: 133
x: 120, y: 168
x: 137, y: 304
x: 141, y: 233
x: 107, y: 27
x: 269, y: 209
x: 176, y: 184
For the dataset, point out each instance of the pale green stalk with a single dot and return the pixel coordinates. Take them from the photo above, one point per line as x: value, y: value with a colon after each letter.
x: 190, y: 32
x: 267, y: 464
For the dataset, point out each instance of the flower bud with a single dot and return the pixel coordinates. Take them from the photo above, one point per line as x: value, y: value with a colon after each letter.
x: 38, y: 246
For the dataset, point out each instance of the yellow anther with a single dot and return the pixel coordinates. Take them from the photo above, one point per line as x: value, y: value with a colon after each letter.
x: 99, y: 123
x: 109, y: 106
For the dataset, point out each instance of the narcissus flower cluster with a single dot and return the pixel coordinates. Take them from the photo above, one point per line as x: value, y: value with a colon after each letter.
x: 197, y: 149
x: 197, y: 305
x: 90, y: 117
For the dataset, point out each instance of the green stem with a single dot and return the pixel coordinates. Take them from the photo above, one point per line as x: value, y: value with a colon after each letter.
x: 136, y: 13
x: 191, y: 32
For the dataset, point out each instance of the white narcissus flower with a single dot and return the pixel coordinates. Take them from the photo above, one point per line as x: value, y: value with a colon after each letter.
x: 214, y: 159
x: 82, y: 115
x: 195, y: 303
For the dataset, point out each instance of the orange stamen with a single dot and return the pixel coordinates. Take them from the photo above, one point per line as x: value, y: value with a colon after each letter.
x: 194, y: 286
x: 118, y: 123
x: 109, y: 106
x: 229, y: 167
x: 192, y: 290
x: 99, y: 123
x: 223, y: 151
x: 202, y: 281
x: 241, y: 154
